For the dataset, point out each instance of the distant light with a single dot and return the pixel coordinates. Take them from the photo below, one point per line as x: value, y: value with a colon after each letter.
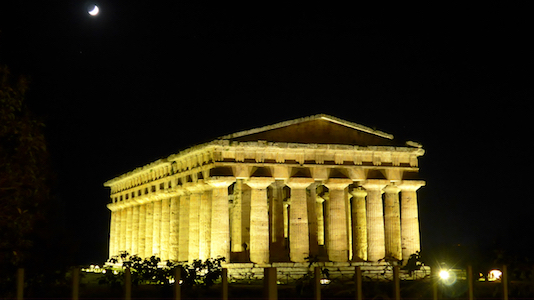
x: 443, y: 274
x: 324, y: 281
x: 94, y: 11
x: 494, y: 275
x: 447, y: 277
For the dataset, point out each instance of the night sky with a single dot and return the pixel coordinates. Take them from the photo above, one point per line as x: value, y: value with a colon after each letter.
x: 146, y: 79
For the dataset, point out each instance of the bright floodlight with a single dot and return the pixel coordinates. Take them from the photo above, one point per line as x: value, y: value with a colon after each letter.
x: 494, y: 275
x: 443, y: 274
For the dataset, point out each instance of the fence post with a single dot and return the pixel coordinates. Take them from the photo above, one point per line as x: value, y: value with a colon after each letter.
x: 20, y: 283
x: 396, y: 282
x: 127, y: 284
x: 317, y: 283
x: 177, y: 279
x: 504, y: 280
x: 358, y: 282
x: 224, y: 282
x: 269, y: 283
x: 75, y: 283
x: 470, y: 282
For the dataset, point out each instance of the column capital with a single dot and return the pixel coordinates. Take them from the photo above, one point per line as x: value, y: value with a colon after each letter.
x: 411, y: 185
x: 114, y: 206
x: 375, y: 184
x: 337, y: 183
x: 259, y: 183
x: 220, y: 181
x: 299, y: 182
x: 392, y: 189
x: 359, y: 192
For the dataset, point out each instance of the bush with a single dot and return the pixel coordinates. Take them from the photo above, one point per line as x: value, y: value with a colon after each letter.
x: 150, y: 271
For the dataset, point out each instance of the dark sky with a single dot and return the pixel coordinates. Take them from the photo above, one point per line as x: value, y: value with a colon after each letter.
x: 146, y: 79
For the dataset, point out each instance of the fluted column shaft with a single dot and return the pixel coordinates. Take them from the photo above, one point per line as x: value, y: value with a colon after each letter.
x: 320, y: 219
x: 183, y: 243
x: 129, y: 230
x: 336, y: 234
x: 359, y: 225
x: 149, y: 229
x: 311, y: 200
x: 375, y: 220
x: 220, y: 218
x: 174, y: 226
x: 410, y: 235
x: 194, y: 229
x: 259, y: 220
x: 122, y: 244
x: 299, y: 246
x: 135, y: 230
x: 165, y: 228
x: 205, y: 225
x: 277, y: 221
x: 392, y: 226
x: 142, y: 229
x: 156, y: 229
x: 116, y: 232
x: 236, y: 211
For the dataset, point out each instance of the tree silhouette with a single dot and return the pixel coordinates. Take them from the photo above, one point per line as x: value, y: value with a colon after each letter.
x: 24, y: 174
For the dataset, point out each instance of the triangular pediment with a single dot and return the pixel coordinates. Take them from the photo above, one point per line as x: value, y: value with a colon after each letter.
x: 318, y: 129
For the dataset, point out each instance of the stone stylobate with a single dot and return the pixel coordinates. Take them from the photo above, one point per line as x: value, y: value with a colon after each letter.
x: 312, y: 187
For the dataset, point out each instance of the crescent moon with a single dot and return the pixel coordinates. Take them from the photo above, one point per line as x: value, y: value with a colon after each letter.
x: 95, y: 11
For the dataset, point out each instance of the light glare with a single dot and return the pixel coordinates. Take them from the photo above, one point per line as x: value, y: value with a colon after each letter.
x: 494, y: 275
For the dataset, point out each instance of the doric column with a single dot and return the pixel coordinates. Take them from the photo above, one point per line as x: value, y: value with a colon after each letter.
x: 311, y: 202
x: 359, y: 225
x: 375, y: 219
x: 336, y: 234
x: 142, y: 229
x: 204, y: 251
x: 277, y: 221
x: 299, y: 243
x: 112, y: 233
x: 156, y: 227
x: 183, y: 242
x: 174, y: 226
x: 259, y: 219
x: 410, y: 218
x: 149, y: 229
x: 392, y: 227
x: 194, y: 214
x: 236, y: 219
x: 135, y: 230
x: 320, y: 219
x: 122, y: 241
x: 116, y: 232
x: 287, y: 203
x: 165, y: 228
x: 220, y: 217
x: 128, y: 230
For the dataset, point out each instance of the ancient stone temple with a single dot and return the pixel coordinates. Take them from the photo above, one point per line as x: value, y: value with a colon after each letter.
x: 317, y: 187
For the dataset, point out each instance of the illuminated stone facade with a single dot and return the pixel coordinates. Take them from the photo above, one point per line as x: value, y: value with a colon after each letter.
x: 315, y: 186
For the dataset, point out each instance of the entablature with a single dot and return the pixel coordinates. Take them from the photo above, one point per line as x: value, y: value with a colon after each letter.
x: 188, y: 164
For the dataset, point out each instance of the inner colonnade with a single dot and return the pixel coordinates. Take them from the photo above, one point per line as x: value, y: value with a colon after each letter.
x: 342, y: 193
